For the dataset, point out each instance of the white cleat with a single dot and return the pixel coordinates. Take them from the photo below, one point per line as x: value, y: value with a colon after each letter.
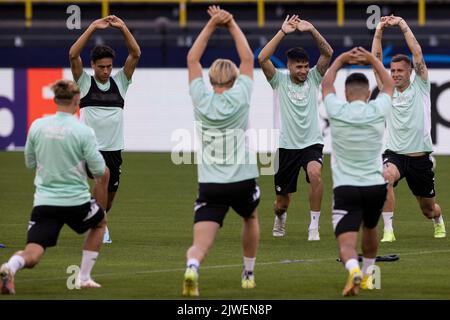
x: 87, y: 284
x: 106, y: 237
x: 279, y: 226
x: 313, y: 235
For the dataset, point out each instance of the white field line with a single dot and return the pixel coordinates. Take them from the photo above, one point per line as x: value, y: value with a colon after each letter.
x: 225, y: 266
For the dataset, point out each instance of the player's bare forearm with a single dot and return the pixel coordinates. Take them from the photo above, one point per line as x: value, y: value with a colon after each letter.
x: 242, y: 46
x: 133, y: 47
x: 81, y: 42
x: 325, y: 50
x: 416, y: 50
x: 377, y: 51
x: 386, y: 82
x: 243, y: 49
x: 199, y: 46
x: 330, y: 77
x: 270, y: 47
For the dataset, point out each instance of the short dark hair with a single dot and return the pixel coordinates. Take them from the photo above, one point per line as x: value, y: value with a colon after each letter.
x: 357, y: 79
x: 297, y: 54
x: 401, y: 57
x: 101, y: 51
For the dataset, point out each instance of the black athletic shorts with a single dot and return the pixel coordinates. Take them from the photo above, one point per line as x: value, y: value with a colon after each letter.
x: 214, y: 200
x: 355, y: 205
x: 418, y: 172
x: 113, y: 160
x: 289, y: 163
x: 46, y: 221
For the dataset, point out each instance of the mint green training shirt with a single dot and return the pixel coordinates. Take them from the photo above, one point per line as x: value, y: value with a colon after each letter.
x: 59, y: 147
x: 409, y: 126
x: 357, y: 130
x: 298, y: 109
x: 106, y: 122
x: 221, y: 123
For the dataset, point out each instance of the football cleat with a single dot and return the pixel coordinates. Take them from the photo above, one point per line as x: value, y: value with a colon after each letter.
x: 6, y: 280
x: 388, y: 236
x: 439, y: 230
x: 279, y: 225
x: 313, y: 234
x: 248, y: 280
x: 353, y: 282
x: 190, y: 283
x: 367, y: 282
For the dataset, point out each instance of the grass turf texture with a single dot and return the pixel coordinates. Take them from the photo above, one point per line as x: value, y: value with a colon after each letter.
x: 151, y: 228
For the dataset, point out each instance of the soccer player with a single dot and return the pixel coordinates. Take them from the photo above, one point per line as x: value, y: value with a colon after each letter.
x: 409, y: 142
x: 301, y: 140
x: 57, y: 147
x: 226, y: 174
x: 359, y: 189
x: 102, y: 97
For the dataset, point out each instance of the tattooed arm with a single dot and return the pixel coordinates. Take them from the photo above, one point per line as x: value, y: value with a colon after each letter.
x: 377, y: 49
x: 413, y: 45
x: 325, y: 49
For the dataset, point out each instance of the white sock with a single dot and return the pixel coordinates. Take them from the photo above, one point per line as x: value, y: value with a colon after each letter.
x: 438, y: 219
x: 249, y: 264
x: 366, y: 264
x: 351, y: 264
x: 16, y: 263
x: 87, y: 263
x: 315, y: 215
x: 388, y: 217
x: 193, y: 263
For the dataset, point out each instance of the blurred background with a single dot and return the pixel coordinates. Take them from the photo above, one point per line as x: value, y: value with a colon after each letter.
x: 33, y: 33
x: 35, y: 37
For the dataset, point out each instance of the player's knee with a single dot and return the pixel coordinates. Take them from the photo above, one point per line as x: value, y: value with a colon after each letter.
x: 315, y: 176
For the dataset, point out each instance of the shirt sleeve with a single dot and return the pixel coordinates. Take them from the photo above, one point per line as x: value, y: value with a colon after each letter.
x: 383, y: 102
x: 315, y: 76
x: 122, y: 82
x: 275, y: 81
x: 423, y: 85
x: 242, y: 89
x: 197, y: 91
x: 332, y: 105
x: 84, y: 83
x: 93, y: 157
x: 30, y: 155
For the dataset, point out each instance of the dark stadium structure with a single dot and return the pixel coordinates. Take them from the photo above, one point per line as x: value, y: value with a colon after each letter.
x: 165, y: 41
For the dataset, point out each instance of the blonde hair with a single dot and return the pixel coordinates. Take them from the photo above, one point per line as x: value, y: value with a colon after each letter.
x: 223, y: 73
x: 64, y: 91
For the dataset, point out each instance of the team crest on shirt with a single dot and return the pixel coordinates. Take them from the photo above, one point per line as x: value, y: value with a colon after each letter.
x: 298, y: 94
x: 402, y: 100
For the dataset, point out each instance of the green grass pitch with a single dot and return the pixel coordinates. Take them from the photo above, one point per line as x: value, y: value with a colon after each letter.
x: 151, y: 228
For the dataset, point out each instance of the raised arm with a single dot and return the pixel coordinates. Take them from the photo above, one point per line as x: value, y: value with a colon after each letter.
x: 324, y: 47
x: 134, y: 52
x: 377, y: 49
x: 243, y: 49
x: 330, y: 76
x: 75, y: 51
x: 413, y: 45
x: 199, y: 46
x: 364, y: 57
x: 289, y: 26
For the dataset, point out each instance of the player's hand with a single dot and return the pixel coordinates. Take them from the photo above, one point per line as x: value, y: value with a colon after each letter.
x: 304, y: 26
x: 219, y: 17
x: 116, y: 22
x: 102, y: 23
x: 290, y: 24
x: 361, y: 56
x: 383, y: 23
x: 394, y: 21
